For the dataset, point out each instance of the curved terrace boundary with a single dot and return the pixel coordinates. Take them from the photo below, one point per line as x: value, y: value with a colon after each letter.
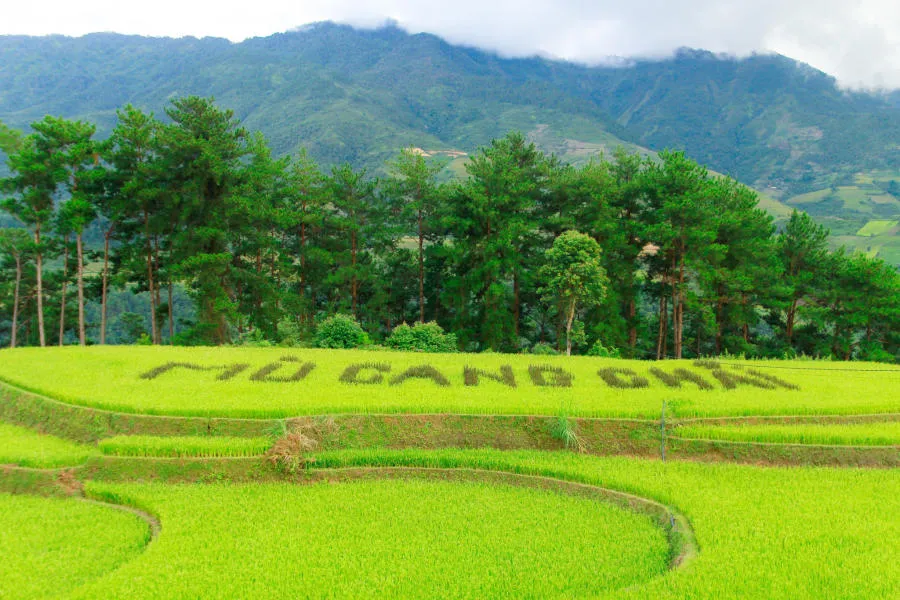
x: 678, y: 530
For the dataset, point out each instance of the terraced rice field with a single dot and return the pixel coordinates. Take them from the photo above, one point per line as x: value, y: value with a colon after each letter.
x: 53, y: 546
x: 383, y: 539
x: 26, y: 448
x: 180, y: 447
x: 274, y: 383
x: 856, y: 434
x: 527, y: 477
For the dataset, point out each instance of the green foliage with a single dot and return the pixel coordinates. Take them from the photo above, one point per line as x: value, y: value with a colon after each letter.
x: 340, y: 331
x: 134, y: 326
x: 10, y: 139
x: 243, y: 247
x: 563, y: 429
x: 598, y: 349
x: 544, y: 350
x: 421, y: 337
x: 367, y: 93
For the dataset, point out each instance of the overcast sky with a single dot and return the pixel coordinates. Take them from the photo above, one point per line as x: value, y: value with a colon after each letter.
x: 858, y: 41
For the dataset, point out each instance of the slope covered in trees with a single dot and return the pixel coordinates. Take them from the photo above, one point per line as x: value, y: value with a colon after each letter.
x: 356, y: 96
x: 674, y: 261
x: 359, y: 96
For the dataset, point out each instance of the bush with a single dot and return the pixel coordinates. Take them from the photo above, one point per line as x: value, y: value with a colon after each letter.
x: 598, y: 349
x: 253, y: 339
x: 291, y: 333
x: 422, y: 337
x: 340, y: 331
x: 544, y: 350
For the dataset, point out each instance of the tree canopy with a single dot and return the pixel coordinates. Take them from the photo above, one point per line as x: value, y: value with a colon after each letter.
x: 192, y: 224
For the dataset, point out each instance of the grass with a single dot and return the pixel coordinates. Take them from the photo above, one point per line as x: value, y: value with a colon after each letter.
x: 52, y: 546
x: 873, y: 228
x: 767, y: 533
x: 181, y: 447
x: 762, y: 533
x: 27, y: 448
x: 111, y: 378
x: 856, y: 434
x: 382, y: 539
x: 810, y: 197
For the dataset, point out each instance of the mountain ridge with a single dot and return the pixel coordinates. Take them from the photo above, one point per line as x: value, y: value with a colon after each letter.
x: 359, y: 95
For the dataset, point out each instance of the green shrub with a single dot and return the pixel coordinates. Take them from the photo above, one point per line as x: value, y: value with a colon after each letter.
x: 544, y: 350
x: 292, y: 333
x: 422, y: 337
x: 253, y: 339
x: 340, y: 331
x: 598, y: 349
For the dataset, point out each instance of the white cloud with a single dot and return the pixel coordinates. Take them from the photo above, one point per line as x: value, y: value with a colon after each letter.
x: 858, y: 42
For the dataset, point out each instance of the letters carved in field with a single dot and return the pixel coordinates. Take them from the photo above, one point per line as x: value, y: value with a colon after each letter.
x: 290, y: 369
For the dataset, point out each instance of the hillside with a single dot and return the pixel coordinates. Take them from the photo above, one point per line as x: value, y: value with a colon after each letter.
x: 358, y: 96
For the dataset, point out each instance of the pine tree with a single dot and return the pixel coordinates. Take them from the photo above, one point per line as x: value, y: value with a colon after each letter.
x: 802, y: 247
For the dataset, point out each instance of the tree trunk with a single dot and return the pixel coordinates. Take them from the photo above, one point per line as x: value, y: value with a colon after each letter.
x: 171, y: 314
x: 81, y: 328
x: 15, y: 314
x: 665, y: 340
x: 516, y: 307
x: 303, y: 265
x: 678, y: 310
x: 353, y: 281
x: 39, y: 264
x: 663, y: 319
x: 720, y: 304
x: 150, y: 286
x: 62, y: 309
x: 632, y: 329
x: 156, y: 262
x: 570, y: 318
x: 421, y: 270
x: 791, y: 315
x: 746, y: 328
x: 105, y: 290
x: 276, y: 275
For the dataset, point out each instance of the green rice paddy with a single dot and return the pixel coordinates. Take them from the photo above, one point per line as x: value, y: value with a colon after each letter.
x: 876, y: 227
x: 50, y: 547
x: 226, y: 382
x: 178, y: 447
x: 767, y: 533
x: 856, y: 434
x: 27, y: 448
x: 382, y: 539
x: 407, y: 515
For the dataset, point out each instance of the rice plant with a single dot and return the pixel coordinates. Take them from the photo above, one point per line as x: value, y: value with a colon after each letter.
x: 179, y: 447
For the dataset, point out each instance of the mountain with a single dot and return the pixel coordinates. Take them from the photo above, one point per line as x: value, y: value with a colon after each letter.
x: 360, y: 95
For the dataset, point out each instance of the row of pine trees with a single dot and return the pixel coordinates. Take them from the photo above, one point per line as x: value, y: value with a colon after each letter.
x: 265, y: 247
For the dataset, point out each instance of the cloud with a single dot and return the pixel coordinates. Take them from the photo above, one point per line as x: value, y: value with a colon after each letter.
x: 858, y: 42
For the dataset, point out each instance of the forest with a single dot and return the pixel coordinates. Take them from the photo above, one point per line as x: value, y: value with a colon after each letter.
x: 210, y: 238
